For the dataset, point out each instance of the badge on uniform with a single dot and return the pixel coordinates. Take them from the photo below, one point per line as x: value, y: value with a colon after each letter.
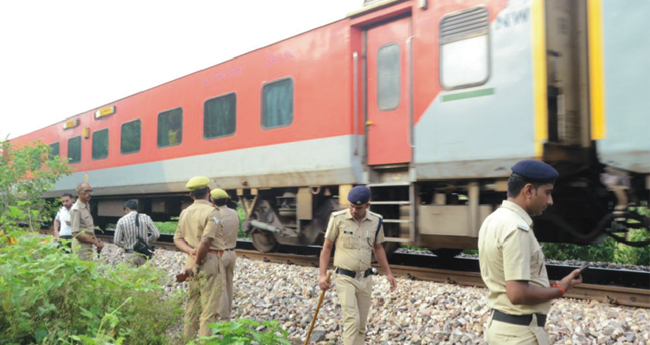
x: 348, y: 232
x: 216, y: 220
x: 523, y: 227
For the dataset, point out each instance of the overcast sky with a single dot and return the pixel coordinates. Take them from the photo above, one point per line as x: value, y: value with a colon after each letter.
x: 61, y: 58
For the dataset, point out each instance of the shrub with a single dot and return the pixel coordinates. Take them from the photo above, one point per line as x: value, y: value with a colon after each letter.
x: 242, y: 216
x: 167, y: 227
x: 26, y: 172
x: 48, y: 296
x: 170, y: 227
x: 603, y: 252
x: 244, y: 332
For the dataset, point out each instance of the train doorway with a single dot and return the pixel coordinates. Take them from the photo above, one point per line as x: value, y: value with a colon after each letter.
x: 387, y: 124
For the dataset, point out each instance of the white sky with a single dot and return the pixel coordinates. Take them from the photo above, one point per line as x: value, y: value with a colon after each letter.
x: 61, y: 58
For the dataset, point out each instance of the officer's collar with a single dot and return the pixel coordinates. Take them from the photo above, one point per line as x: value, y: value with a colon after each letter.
x: 348, y: 215
x: 518, y: 210
x: 202, y: 201
x: 81, y: 204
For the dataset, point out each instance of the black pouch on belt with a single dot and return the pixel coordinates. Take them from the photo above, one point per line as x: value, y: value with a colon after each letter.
x: 143, y: 248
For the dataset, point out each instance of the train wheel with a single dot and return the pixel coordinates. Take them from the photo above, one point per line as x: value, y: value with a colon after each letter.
x: 446, y: 253
x: 264, y: 241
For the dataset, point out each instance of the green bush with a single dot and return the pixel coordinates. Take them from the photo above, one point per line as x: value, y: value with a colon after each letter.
x: 170, y: 227
x: 26, y: 172
x: 603, y: 252
x: 607, y: 251
x: 242, y: 216
x: 244, y: 332
x: 48, y: 296
x: 167, y: 227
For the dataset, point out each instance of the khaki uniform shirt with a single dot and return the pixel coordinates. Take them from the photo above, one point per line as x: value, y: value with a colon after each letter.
x: 201, y: 219
x: 354, y: 240
x: 81, y: 219
x: 230, y: 226
x: 508, y: 250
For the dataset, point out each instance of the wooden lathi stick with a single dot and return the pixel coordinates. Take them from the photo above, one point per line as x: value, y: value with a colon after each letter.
x: 320, y: 302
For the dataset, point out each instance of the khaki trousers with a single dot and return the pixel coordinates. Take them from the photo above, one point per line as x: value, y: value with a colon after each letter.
x: 135, y: 259
x: 225, y: 304
x: 355, y: 298
x: 204, y: 292
x: 85, y: 251
x: 499, y: 333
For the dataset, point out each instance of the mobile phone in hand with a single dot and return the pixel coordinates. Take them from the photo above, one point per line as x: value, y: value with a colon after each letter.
x: 584, y: 267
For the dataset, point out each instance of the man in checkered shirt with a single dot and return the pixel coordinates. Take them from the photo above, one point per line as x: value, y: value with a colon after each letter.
x: 129, y: 227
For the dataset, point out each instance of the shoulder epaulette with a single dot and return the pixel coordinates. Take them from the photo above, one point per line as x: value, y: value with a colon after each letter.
x: 523, y: 227
x: 376, y: 215
x: 338, y: 213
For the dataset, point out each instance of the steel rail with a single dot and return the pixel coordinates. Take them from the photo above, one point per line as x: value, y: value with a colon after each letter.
x: 633, y: 297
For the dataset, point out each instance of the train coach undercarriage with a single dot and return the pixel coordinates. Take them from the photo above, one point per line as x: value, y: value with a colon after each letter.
x: 444, y: 216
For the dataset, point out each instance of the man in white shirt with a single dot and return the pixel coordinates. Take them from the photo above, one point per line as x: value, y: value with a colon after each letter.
x: 62, y: 224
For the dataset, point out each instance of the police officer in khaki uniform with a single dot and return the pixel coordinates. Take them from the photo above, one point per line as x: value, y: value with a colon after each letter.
x: 83, y: 229
x: 199, y: 235
x: 512, y: 261
x: 230, y: 227
x: 356, y: 232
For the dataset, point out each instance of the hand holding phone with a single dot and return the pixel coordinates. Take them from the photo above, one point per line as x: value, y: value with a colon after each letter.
x: 584, y: 267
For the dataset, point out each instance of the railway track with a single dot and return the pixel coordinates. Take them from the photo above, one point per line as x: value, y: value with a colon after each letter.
x: 622, y: 287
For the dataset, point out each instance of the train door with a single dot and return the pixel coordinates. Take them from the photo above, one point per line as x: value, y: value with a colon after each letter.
x: 387, y: 122
x: 567, y: 73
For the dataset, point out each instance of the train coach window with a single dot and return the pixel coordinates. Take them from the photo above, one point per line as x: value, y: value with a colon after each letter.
x: 220, y: 116
x: 388, y: 77
x: 130, y: 138
x: 464, y: 49
x: 54, y: 150
x: 170, y: 127
x: 100, y: 144
x: 74, y: 149
x: 277, y: 103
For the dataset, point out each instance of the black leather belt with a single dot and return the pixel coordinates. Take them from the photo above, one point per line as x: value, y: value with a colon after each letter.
x: 522, y: 320
x: 229, y: 249
x: 354, y: 274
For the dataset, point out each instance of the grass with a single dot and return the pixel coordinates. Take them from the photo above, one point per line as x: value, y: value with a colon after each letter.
x: 170, y: 227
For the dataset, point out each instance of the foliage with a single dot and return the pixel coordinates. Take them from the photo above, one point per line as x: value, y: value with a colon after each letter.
x: 242, y: 217
x: 167, y: 227
x: 26, y: 172
x: 608, y: 251
x: 633, y: 255
x: 414, y: 248
x: 244, y: 332
x: 48, y: 296
x: 170, y: 227
x: 603, y: 252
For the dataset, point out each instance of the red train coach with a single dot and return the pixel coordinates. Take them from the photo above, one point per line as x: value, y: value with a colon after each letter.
x: 427, y: 102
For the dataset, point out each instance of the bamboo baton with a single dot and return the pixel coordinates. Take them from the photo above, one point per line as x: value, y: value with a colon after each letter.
x: 320, y: 302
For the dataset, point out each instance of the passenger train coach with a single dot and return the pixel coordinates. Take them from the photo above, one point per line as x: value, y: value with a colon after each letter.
x: 429, y: 103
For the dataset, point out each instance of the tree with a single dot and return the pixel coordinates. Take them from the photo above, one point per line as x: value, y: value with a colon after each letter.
x: 26, y: 172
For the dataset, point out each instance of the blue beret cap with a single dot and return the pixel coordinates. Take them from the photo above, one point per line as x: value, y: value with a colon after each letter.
x: 359, y: 195
x: 535, y: 171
